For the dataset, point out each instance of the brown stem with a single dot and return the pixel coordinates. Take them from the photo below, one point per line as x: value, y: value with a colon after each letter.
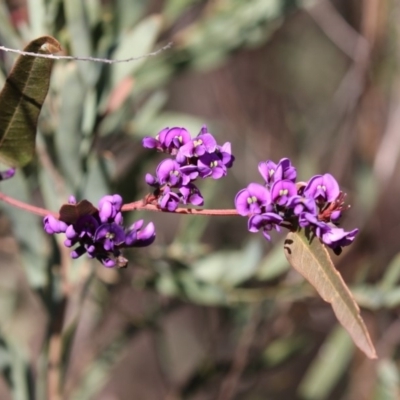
x: 142, y: 205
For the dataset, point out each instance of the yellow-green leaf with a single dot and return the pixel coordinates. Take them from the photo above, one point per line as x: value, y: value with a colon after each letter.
x: 21, y: 100
x: 311, y: 259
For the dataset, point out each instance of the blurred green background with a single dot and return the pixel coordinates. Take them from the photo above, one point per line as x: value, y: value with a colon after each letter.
x: 209, y: 311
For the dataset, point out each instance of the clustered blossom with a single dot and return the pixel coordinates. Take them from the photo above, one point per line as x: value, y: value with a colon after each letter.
x: 316, y: 204
x: 192, y: 158
x: 99, y: 232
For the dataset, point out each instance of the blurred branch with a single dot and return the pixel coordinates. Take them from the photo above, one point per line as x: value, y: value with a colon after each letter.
x: 336, y: 28
x: 389, y: 149
x: 231, y: 381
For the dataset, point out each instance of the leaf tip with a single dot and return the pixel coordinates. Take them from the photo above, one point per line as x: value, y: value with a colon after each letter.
x: 44, y: 44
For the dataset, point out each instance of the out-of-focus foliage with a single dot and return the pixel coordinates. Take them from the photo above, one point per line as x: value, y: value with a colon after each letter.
x: 208, y: 312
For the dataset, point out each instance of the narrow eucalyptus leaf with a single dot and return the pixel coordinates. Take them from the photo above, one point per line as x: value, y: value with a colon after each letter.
x: 311, y: 259
x: 21, y: 100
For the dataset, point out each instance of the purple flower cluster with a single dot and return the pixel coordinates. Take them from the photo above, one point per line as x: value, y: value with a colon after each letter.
x: 99, y: 232
x: 316, y: 205
x: 192, y: 158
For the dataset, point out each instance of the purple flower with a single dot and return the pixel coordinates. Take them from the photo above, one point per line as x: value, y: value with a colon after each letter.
x: 110, y: 235
x: 266, y: 222
x: 272, y: 172
x: 79, y: 251
x: 71, y: 199
x: 252, y: 199
x: 86, y: 226
x: 225, y: 154
x: 99, y: 232
x: 168, y: 200
x: 168, y: 172
x: 302, y: 204
x: 191, y: 195
x: 203, y: 130
x: 138, y: 236
x: 151, y: 143
x: 282, y: 191
x: 176, y: 137
x: 200, y: 157
x: 285, y: 170
x: 335, y: 237
x: 52, y: 225
x: 305, y: 208
x: 168, y: 140
x: 151, y: 180
x: 7, y: 174
x: 317, y: 205
x: 189, y: 173
x: 156, y: 143
x: 109, y: 207
x: 204, y: 143
x: 210, y: 165
x: 323, y: 188
x: 267, y: 171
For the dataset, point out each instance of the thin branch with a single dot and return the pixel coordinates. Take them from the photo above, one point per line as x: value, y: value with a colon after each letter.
x: 141, y: 205
x: 94, y: 59
x: 26, y: 207
x: 137, y: 205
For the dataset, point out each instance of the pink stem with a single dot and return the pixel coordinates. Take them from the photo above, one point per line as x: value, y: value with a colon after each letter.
x: 27, y: 207
x: 137, y: 205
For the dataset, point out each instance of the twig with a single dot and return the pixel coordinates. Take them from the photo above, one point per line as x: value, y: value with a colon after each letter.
x: 42, y: 212
x: 94, y: 59
x: 137, y: 205
x: 141, y: 205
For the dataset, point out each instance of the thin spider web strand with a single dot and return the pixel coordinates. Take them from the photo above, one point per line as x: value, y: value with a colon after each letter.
x: 94, y: 59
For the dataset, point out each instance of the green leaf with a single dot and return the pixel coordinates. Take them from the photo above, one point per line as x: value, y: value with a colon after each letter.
x: 388, y: 381
x: 328, y: 367
x: 21, y: 101
x: 272, y: 265
x: 137, y: 42
x: 311, y: 259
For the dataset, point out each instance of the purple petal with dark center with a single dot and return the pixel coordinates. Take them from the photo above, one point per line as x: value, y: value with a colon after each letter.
x: 86, y: 224
x: 250, y: 200
x: 177, y: 137
x: 282, y: 191
x: 322, y: 187
x: 168, y: 172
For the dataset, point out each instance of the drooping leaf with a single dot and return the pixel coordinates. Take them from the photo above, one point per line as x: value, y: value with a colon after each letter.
x: 21, y: 101
x: 311, y: 259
